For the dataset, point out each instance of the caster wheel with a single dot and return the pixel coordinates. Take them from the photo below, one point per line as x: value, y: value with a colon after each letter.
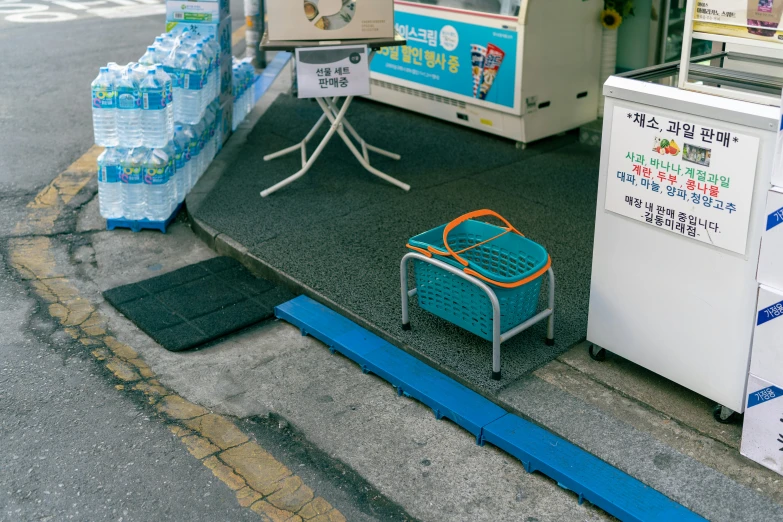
x: 725, y: 415
x: 596, y: 355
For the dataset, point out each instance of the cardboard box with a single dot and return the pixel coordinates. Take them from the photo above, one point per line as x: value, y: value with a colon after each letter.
x: 762, y: 427
x: 323, y: 20
x: 220, y: 30
x: 766, y: 358
x: 197, y: 12
x: 770, y: 271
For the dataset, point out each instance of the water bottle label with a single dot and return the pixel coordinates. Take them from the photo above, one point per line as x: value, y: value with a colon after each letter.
x: 102, y: 98
x: 157, y: 175
x: 153, y: 100
x: 131, y: 175
x: 169, y: 92
x: 176, y: 79
x: 128, y: 98
x: 192, y: 81
x: 179, y: 160
x: 109, y: 173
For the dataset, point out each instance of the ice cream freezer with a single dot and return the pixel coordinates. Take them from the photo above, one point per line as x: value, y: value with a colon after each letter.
x: 684, y: 180
x: 522, y: 69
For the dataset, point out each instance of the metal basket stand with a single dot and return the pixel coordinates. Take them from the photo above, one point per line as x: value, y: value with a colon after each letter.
x: 497, y: 336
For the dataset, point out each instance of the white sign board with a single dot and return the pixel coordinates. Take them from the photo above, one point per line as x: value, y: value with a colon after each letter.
x: 340, y: 70
x: 691, y: 179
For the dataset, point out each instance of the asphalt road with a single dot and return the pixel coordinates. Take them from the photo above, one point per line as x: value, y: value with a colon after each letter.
x: 74, y: 448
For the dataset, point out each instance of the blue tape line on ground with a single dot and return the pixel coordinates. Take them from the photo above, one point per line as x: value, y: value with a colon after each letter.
x: 273, y: 69
x: 607, y: 487
x: 762, y: 396
x: 769, y: 313
x: 775, y: 219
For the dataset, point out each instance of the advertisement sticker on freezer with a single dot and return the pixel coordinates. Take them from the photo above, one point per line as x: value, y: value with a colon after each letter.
x: 474, y: 61
x: 690, y: 179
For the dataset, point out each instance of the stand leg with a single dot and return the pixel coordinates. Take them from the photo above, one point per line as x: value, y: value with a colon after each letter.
x: 550, y: 330
x: 495, y: 339
x: 406, y: 324
x: 337, y: 122
x: 365, y: 146
x: 317, y: 152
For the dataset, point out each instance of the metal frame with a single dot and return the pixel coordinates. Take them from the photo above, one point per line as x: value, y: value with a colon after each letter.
x: 336, y: 116
x: 685, y: 63
x: 497, y: 336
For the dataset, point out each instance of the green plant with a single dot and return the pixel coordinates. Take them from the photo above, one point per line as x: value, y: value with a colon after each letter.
x: 623, y: 7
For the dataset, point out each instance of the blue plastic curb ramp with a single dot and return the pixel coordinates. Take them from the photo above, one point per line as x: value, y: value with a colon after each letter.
x: 137, y: 225
x: 573, y: 468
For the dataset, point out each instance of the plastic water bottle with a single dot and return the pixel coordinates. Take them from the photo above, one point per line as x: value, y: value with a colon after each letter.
x: 104, y: 112
x: 150, y: 57
x: 209, y: 119
x: 236, y: 92
x: 250, y: 74
x: 159, y: 192
x: 168, y: 90
x: 190, y: 95
x: 201, y: 160
x: 133, y: 195
x: 182, y: 163
x: 109, y: 186
x: 214, y: 48
x: 154, y: 124
x: 203, y: 61
x: 211, y: 57
x: 128, y: 109
x: 193, y: 154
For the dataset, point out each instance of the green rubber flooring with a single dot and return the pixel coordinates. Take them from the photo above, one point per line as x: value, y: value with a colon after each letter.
x: 197, y: 303
x: 342, y: 232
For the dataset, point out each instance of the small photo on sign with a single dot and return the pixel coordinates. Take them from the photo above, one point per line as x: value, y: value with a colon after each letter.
x: 697, y: 155
x: 665, y: 147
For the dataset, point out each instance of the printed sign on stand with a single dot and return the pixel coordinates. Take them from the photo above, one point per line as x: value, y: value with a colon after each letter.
x: 333, y: 71
x: 691, y: 179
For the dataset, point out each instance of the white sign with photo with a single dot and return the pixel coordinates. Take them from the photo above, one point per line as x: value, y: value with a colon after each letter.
x: 328, y: 71
x: 690, y: 179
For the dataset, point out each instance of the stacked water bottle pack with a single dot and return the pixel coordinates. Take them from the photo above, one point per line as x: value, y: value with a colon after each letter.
x: 150, y: 164
x: 242, y: 89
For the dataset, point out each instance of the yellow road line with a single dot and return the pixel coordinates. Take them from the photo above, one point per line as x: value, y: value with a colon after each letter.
x: 259, y: 481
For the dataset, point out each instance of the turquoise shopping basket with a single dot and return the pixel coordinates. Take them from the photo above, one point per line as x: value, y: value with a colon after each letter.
x: 512, y: 265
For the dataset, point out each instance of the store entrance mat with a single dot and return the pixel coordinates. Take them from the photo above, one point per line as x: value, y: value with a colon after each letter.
x: 339, y: 233
x: 573, y: 468
x: 198, y: 303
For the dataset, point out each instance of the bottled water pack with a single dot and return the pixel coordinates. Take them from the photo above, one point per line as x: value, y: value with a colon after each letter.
x: 149, y: 164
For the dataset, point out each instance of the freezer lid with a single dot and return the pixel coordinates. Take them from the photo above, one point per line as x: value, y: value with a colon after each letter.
x: 505, y: 8
x: 748, y: 114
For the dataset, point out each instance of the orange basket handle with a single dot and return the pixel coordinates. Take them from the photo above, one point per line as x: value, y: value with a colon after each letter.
x: 470, y: 215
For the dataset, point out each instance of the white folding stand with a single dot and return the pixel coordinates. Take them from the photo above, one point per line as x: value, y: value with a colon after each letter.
x: 335, y: 113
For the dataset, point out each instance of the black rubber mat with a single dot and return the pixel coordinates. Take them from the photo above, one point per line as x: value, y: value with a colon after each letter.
x: 341, y: 232
x: 198, y: 303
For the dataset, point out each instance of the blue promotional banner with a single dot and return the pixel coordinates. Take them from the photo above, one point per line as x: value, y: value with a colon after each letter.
x: 472, y: 60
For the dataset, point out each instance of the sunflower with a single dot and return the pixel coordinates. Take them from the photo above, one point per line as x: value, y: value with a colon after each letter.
x: 611, y: 19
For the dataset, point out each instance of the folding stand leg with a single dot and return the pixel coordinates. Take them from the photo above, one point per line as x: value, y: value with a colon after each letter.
x: 307, y: 163
x: 365, y: 146
x: 338, y: 121
x: 550, y: 329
